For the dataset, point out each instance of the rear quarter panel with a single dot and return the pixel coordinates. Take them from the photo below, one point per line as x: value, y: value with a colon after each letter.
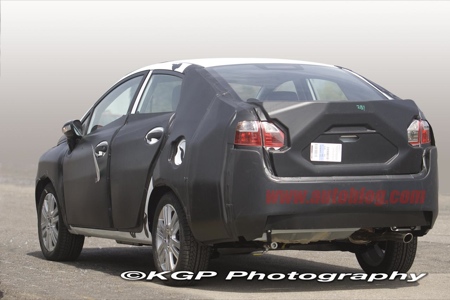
x: 203, y: 119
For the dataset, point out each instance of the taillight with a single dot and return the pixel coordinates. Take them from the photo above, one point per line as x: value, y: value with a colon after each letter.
x: 425, y: 136
x: 273, y: 136
x: 248, y: 133
x: 256, y: 133
x: 419, y: 133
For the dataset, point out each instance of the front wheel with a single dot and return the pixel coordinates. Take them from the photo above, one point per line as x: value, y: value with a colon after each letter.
x: 387, y: 257
x: 57, y: 243
x: 174, y: 246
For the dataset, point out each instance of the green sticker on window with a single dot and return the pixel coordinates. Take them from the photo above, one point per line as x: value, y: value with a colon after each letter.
x: 361, y: 107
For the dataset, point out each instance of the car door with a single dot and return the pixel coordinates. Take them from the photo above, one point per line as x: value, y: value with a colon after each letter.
x: 86, y: 167
x: 136, y: 145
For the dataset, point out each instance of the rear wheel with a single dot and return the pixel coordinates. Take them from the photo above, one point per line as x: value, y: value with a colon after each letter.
x: 174, y: 246
x: 57, y: 243
x: 387, y: 257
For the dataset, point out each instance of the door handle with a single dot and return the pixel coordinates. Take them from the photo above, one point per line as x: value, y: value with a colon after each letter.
x: 101, y: 149
x: 154, y: 135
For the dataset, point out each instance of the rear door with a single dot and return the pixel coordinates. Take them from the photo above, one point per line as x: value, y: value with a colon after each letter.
x: 136, y: 147
x: 86, y: 168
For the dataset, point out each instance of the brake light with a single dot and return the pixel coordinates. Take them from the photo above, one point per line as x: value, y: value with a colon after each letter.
x: 273, y: 136
x: 248, y: 133
x: 256, y: 133
x: 425, y: 136
x: 419, y: 133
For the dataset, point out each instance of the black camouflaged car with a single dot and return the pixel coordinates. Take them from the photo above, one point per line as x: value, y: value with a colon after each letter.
x: 203, y: 157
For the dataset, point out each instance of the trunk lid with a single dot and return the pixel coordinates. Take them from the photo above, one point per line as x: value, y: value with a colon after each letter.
x: 345, y: 138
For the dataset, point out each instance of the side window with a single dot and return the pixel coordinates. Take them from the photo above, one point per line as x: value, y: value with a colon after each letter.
x: 114, y: 105
x: 162, y: 94
x: 326, y: 90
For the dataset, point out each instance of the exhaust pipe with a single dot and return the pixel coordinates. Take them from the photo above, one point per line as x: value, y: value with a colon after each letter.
x: 360, y: 237
x: 267, y: 247
x: 273, y: 245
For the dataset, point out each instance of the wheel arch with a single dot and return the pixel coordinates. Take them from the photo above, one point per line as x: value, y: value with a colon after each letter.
x: 40, y: 186
x: 156, y: 195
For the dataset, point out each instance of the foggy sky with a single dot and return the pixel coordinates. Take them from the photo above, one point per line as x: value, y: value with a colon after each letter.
x: 58, y: 57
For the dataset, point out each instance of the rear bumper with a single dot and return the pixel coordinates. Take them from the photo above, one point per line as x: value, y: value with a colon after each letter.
x: 256, y: 201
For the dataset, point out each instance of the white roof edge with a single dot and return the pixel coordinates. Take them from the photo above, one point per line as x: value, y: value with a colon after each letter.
x: 215, y: 62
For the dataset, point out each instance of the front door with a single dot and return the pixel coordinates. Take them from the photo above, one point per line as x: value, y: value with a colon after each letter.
x: 86, y: 168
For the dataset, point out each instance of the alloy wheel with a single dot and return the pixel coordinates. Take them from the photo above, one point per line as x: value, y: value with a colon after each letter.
x: 49, y: 222
x: 168, y: 238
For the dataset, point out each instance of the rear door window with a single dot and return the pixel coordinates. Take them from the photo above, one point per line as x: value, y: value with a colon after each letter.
x: 161, y: 95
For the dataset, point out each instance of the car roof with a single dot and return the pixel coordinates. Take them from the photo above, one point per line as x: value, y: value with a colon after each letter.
x: 180, y: 65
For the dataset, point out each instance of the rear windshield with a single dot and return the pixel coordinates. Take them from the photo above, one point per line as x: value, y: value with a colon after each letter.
x: 292, y: 82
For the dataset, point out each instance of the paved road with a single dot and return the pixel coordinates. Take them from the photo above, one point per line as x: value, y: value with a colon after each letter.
x: 25, y: 274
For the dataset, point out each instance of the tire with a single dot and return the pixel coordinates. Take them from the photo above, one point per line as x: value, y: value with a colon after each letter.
x: 174, y: 246
x: 57, y: 243
x: 387, y: 257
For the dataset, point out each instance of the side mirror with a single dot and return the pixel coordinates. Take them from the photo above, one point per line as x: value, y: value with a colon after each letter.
x: 73, y: 131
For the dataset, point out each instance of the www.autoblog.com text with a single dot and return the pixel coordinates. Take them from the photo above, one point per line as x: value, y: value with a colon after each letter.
x: 254, y: 275
x: 351, y: 196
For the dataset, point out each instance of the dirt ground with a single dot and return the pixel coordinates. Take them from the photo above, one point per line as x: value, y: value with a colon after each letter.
x: 25, y: 274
